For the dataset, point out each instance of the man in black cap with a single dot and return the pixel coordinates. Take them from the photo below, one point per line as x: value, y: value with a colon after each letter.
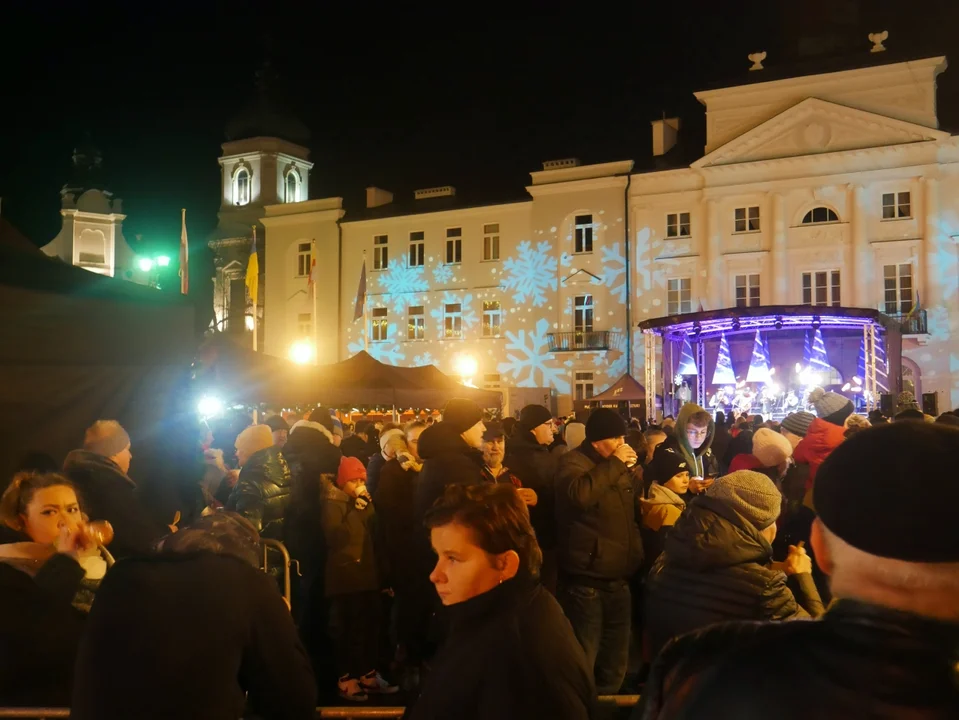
x: 599, y: 544
x: 888, y: 646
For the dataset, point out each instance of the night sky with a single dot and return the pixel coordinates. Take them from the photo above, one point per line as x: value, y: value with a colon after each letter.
x: 475, y: 95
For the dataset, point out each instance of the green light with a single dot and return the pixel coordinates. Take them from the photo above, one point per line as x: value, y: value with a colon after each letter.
x: 146, y: 264
x: 163, y: 261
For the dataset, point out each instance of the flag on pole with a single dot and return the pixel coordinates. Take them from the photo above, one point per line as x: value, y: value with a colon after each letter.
x: 184, y: 257
x: 253, y: 273
x: 361, y: 295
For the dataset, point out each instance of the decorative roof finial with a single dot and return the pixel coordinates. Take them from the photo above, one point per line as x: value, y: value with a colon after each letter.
x: 757, y: 60
x: 876, y: 40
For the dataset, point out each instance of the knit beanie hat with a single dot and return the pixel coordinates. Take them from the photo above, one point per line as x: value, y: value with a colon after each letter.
x: 108, y: 438
x: 665, y: 463
x: 495, y: 430
x: 831, y: 406
x: 798, y: 422
x: 388, y: 435
x: 276, y: 422
x: 254, y: 439
x: 605, y: 423
x: 350, y: 469
x: 906, y: 401
x: 322, y: 416
x: 533, y: 416
x: 751, y: 494
x: 771, y: 448
x: 575, y: 434
x: 866, y: 492
x: 337, y: 427
x: 462, y: 414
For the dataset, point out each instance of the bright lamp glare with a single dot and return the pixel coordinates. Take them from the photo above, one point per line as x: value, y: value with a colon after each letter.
x: 301, y: 352
x: 146, y: 264
x: 209, y: 406
x: 249, y: 322
x: 163, y: 261
x: 466, y: 366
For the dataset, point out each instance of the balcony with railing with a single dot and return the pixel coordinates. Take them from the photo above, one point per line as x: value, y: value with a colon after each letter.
x: 912, y: 323
x: 580, y: 341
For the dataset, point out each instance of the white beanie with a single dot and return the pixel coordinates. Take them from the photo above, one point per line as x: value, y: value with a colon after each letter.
x: 771, y: 448
x: 575, y: 434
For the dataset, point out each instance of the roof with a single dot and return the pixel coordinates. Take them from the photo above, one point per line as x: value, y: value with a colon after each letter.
x: 13, y: 239
x: 421, y: 207
x: 267, y: 115
x: 626, y: 389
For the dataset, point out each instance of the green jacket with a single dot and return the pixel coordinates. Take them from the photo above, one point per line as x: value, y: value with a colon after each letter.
x: 698, y: 467
x: 351, y: 564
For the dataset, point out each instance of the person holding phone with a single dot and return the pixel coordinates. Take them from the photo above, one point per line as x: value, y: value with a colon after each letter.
x: 693, y: 440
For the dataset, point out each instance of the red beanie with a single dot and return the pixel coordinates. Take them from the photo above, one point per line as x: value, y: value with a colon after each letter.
x: 350, y: 469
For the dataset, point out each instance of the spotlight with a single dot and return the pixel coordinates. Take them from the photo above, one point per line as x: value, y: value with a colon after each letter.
x: 209, y: 406
x: 779, y: 323
x: 736, y: 324
x: 816, y: 322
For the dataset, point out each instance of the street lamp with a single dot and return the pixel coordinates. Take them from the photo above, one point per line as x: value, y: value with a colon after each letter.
x: 146, y: 264
x: 466, y: 367
x: 301, y: 352
x: 163, y: 261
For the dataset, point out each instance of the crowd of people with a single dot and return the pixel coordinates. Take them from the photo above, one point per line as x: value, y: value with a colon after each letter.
x: 487, y: 568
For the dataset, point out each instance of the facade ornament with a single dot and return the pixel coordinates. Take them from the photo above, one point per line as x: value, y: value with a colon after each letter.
x: 757, y: 59
x: 877, y: 39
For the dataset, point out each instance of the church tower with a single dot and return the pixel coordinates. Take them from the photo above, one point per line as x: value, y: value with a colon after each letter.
x: 263, y: 162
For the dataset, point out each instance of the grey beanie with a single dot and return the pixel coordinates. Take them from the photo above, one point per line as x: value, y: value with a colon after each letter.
x: 106, y: 438
x: 798, y: 422
x: 831, y: 406
x: 751, y: 494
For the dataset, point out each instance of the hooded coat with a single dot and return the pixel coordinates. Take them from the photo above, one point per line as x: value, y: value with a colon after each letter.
x: 535, y: 466
x: 702, y: 462
x: 660, y: 510
x: 447, y: 460
x: 715, y: 566
x: 262, y: 491
x: 820, y: 440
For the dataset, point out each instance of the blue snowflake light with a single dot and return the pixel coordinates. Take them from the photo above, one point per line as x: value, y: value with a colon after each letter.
x: 530, y: 364
x: 531, y: 274
x: 438, y: 313
x: 388, y: 352
x: 442, y: 273
x: 401, y: 283
x: 614, y: 271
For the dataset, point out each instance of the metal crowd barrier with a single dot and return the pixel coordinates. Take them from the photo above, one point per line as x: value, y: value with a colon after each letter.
x: 280, y: 548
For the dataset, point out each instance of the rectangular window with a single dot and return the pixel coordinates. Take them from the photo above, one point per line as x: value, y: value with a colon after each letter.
x: 453, y: 321
x: 491, y: 241
x: 583, y: 314
x: 584, y: 233
x: 821, y: 288
x: 417, y: 323
x: 454, y: 246
x: 679, y: 296
x: 896, y: 205
x: 677, y: 225
x: 584, y: 385
x: 747, y: 290
x: 417, y: 248
x: 492, y: 318
x: 304, y: 258
x: 378, y: 323
x: 747, y: 219
x: 381, y: 258
x: 304, y: 325
x: 897, y: 287
x: 491, y: 381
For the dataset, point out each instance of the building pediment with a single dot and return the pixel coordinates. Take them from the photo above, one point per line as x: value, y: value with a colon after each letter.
x: 815, y: 126
x: 581, y: 276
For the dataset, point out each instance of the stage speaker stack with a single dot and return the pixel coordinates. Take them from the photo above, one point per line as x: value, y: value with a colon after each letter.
x: 930, y: 404
x: 887, y: 404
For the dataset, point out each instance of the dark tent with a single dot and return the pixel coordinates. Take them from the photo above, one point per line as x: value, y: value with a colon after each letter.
x: 78, y: 347
x: 626, y: 389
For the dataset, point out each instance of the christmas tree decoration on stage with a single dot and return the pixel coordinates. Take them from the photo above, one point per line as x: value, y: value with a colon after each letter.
x: 882, y: 375
x: 687, y: 363
x: 758, y: 363
x: 818, y: 361
x: 724, y: 374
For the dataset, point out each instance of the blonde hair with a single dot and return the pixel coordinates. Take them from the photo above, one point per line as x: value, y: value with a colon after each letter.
x: 18, y: 495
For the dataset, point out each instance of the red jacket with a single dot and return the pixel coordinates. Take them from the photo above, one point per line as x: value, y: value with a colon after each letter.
x: 821, y: 439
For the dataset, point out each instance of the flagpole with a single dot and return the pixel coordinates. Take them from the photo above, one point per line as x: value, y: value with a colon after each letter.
x: 255, y: 299
x: 316, y: 344
x: 366, y: 317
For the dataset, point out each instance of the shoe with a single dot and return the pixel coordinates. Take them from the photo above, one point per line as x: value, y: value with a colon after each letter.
x: 351, y: 689
x: 373, y: 682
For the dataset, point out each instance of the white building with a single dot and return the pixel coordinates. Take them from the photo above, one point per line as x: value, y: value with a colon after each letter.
x: 835, y: 188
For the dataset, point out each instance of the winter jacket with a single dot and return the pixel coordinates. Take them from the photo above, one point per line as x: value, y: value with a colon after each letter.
x: 351, y: 562
x: 821, y: 439
x: 660, y: 511
x: 535, y: 466
x: 857, y: 661
x: 702, y: 462
x: 596, y: 525
x: 715, y: 566
x: 40, y: 631
x: 447, y: 460
x: 720, y: 444
x: 510, y: 653
x: 374, y: 466
x: 355, y: 446
x: 108, y: 494
x: 185, y: 636
x: 262, y: 491
x: 397, y: 522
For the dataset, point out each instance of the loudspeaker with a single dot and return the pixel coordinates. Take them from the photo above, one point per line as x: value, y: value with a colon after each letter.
x: 887, y: 404
x: 930, y: 404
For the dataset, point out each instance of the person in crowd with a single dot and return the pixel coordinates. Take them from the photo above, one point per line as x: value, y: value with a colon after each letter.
x: 795, y: 426
x: 599, y: 544
x: 636, y: 439
x: 853, y: 424
x: 948, y: 418
x: 353, y: 582
x: 413, y: 431
x: 692, y: 439
x: 529, y: 458
x: 143, y: 653
x: 668, y: 425
x: 510, y: 653
x: 263, y: 487
x: 358, y: 444
x: 494, y: 452
x: 663, y: 504
x: 280, y: 429
x: 887, y: 646
x: 826, y: 432
x: 99, y: 473
x: 721, y: 439
x: 575, y: 434
x: 655, y: 436
x: 877, y: 417
x: 509, y: 423
x: 909, y: 415
x: 391, y: 440
x: 716, y: 564
x: 51, y: 562
x: 215, y: 471
x: 770, y: 449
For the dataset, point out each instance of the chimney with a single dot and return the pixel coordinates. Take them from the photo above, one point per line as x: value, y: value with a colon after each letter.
x: 445, y: 191
x: 560, y: 164
x: 664, y: 135
x: 377, y: 196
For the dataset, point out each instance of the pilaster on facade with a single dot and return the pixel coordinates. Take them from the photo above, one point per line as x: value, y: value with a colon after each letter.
x: 932, y: 244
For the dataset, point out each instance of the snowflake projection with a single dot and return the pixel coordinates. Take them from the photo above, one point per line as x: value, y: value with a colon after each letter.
x: 466, y: 308
x: 613, y: 361
x: 566, y: 260
x: 442, y: 273
x: 401, y: 282
x: 531, y: 273
x: 614, y: 271
x: 388, y: 352
x: 424, y: 359
x: 529, y: 365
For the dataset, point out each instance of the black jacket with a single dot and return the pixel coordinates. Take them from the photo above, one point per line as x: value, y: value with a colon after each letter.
x: 374, y: 466
x: 40, y: 631
x: 596, y: 517
x: 106, y: 493
x: 447, y: 460
x: 535, y: 466
x: 262, y: 491
x: 355, y: 446
x: 510, y: 654
x: 351, y: 562
x: 857, y: 661
x: 185, y: 636
x: 715, y: 567
x: 397, y: 524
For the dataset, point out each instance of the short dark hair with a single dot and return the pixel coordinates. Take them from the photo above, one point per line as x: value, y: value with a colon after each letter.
x: 700, y: 418
x: 362, y: 426
x: 223, y: 533
x: 496, y: 516
x: 16, y: 498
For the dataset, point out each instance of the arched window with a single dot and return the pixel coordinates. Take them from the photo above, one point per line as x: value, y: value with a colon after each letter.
x: 292, y: 186
x: 241, y: 187
x: 819, y: 215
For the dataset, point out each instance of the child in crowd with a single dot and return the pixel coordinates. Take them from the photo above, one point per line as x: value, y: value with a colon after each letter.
x: 664, y: 503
